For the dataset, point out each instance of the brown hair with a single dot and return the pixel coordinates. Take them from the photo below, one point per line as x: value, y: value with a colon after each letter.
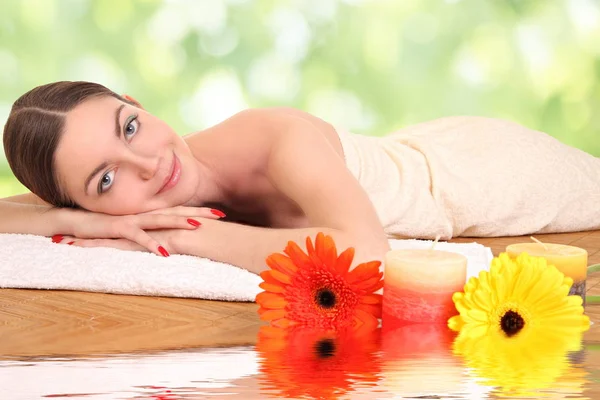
x: 33, y: 131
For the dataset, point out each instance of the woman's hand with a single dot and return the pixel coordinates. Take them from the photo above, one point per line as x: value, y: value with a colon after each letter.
x: 147, y: 231
x: 164, y: 236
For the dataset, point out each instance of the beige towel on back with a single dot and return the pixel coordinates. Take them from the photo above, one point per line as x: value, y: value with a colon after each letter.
x: 473, y: 176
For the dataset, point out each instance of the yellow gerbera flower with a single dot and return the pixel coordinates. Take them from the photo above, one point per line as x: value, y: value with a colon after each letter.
x: 517, y: 324
x: 516, y: 296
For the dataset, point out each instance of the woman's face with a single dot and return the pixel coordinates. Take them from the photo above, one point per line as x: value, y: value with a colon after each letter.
x: 118, y: 159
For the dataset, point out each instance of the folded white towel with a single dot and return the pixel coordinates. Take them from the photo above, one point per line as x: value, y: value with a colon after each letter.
x: 34, y: 262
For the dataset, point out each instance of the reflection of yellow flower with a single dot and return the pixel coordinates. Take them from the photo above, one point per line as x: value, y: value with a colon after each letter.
x: 524, y: 364
x: 516, y: 296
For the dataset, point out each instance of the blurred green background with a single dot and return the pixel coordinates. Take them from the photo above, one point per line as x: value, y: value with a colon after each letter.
x: 369, y: 66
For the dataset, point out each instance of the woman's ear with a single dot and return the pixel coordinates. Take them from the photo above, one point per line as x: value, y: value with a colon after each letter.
x: 132, y: 101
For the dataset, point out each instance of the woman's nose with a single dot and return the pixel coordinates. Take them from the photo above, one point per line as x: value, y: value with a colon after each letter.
x: 147, y: 166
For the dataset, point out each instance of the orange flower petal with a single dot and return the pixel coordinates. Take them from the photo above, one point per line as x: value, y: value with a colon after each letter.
x: 309, y: 245
x: 282, y: 323
x: 371, y: 284
x: 298, y: 257
x: 371, y: 299
x: 325, y: 249
x: 312, y: 253
x: 365, y: 320
x: 267, y: 277
x: 281, y: 277
x: 281, y: 263
x: 271, y: 287
x: 364, y: 271
x: 272, y: 332
x: 270, y: 300
x: 373, y: 309
x: 344, y: 261
x: 270, y: 315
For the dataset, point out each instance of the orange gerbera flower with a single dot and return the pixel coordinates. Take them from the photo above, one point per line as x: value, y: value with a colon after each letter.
x: 309, y: 362
x: 317, y: 289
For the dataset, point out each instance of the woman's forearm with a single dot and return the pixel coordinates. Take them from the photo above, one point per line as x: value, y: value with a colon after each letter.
x: 248, y: 247
x: 32, y: 219
x: 26, y: 198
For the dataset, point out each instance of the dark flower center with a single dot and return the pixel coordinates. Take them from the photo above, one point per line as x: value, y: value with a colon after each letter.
x: 325, y: 298
x: 325, y: 348
x: 511, y: 323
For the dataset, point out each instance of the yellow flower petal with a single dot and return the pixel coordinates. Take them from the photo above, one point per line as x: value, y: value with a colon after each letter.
x: 456, y: 323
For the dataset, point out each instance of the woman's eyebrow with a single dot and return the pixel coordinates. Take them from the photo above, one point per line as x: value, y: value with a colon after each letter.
x: 100, y: 167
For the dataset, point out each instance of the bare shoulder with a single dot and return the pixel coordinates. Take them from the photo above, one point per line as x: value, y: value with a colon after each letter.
x: 321, y: 125
x: 249, y: 135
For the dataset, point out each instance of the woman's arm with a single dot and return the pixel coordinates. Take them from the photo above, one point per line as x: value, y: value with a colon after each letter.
x: 28, y: 214
x: 249, y: 246
x: 301, y: 163
x: 29, y: 218
x: 26, y: 198
x: 23, y: 214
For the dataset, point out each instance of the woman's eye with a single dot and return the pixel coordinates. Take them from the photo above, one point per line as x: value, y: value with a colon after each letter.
x: 131, y: 128
x: 106, y: 181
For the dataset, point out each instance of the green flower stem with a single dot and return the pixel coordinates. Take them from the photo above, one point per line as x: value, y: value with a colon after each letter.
x: 593, y: 268
x: 593, y: 299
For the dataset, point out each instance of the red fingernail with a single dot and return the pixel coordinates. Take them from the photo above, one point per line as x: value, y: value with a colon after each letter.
x: 57, y: 238
x: 193, y: 222
x: 70, y: 243
x: 218, y: 213
x: 163, y: 251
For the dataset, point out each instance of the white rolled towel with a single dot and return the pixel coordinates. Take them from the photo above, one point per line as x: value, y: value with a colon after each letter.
x: 34, y: 262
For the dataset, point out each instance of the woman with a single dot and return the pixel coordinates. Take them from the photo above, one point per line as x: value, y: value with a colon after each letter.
x: 104, y: 172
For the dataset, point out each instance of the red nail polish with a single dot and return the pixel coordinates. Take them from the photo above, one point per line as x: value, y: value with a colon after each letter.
x: 70, y: 243
x: 57, y: 238
x: 218, y: 213
x: 193, y: 222
x: 163, y: 251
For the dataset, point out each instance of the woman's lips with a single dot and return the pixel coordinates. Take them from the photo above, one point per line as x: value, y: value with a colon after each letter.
x: 173, y: 179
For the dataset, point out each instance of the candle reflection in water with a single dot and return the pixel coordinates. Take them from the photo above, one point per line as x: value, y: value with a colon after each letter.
x: 418, y: 361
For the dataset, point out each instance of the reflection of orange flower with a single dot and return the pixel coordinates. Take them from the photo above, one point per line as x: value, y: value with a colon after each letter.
x: 308, y: 362
x: 317, y: 289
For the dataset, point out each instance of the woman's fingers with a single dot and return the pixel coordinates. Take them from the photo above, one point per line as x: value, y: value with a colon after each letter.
x: 135, y: 240
x: 203, y: 212
x: 122, y: 244
x: 142, y: 238
x: 137, y: 229
x: 162, y: 221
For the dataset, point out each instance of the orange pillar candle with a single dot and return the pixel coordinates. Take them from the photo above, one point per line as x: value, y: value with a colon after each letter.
x: 419, y: 285
x: 570, y: 260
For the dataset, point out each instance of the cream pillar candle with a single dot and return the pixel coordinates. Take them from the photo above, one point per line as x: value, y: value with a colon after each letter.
x: 570, y: 260
x: 419, y: 285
